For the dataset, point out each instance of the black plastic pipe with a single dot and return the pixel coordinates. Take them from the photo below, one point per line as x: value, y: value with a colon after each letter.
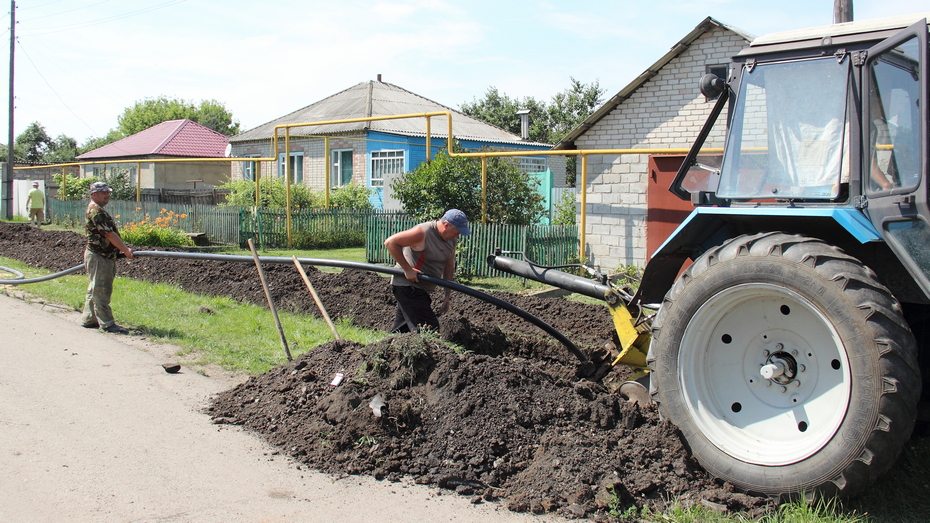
x: 553, y: 277
x: 586, y: 367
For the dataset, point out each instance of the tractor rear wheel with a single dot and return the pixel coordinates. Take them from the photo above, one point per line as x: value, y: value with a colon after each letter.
x: 787, y: 366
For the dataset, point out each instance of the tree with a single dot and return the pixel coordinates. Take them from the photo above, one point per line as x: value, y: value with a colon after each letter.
x: 550, y: 122
x: 95, y: 142
x: 454, y: 182
x: 36, y: 146
x: 32, y: 144
x: 153, y: 111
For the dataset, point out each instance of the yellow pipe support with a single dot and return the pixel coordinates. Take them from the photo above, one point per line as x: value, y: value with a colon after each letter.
x: 287, y: 183
x: 138, y: 182
x: 484, y: 190
x: 584, y: 207
x: 427, y: 141
x: 64, y: 182
x: 328, y: 174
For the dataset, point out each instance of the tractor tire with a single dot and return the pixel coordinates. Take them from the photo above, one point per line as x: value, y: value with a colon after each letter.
x: 787, y: 366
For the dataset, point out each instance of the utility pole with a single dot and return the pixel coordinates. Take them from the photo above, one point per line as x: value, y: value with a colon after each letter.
x: 6, y: 187
x: 842, y: 11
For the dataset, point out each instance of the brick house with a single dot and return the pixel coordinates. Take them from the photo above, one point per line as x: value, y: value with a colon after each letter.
x: 373, y: 153
x: 661, y: 108
x: 172, y: 139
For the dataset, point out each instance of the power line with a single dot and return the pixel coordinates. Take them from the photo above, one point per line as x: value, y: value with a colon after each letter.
x: 68, y: 11
x: 54, y: 91
x: 82, y: 25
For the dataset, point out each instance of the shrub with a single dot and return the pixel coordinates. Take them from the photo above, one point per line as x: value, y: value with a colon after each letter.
x: 351, y: 196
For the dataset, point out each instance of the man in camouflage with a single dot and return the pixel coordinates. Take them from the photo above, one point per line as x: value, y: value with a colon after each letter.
x: 104, y: 246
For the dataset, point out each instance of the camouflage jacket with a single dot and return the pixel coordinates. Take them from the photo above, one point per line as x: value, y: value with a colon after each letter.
x: 99, y: 222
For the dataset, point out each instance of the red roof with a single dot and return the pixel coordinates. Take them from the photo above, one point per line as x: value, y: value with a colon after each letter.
x: 172, y: 138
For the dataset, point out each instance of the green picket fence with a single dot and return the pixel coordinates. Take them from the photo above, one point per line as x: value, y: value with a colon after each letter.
x: 310, y: 228
x: 220, y: 224
x: 542, y: 244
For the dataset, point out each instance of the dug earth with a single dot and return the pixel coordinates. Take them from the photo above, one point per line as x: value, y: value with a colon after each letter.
x: 503, y: 418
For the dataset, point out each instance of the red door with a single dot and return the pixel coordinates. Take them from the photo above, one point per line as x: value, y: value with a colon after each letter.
x: 665, y: 211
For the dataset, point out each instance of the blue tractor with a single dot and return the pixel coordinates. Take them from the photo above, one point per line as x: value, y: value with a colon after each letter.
x: 793, y: 304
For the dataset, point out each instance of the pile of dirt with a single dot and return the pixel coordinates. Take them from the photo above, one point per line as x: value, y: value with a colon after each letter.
x: 508, y: 420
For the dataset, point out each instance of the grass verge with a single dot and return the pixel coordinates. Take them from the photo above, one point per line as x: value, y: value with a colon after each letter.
x: 212, y: 330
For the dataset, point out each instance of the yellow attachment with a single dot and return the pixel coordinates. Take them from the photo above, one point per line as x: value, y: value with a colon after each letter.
x: 634, y: 341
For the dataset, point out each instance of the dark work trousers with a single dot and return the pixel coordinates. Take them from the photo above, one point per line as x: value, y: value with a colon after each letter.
x: 417, y: 304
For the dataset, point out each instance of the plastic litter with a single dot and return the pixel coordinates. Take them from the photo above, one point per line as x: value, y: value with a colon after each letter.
x: 376, y: 404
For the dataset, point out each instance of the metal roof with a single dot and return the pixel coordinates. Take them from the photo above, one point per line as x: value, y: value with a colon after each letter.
x: 171, y: 138
x: 706, y: 25
x: 844, y: 29
x: 373, y: 98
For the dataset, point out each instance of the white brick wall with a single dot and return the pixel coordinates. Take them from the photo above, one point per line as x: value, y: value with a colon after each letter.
x: 666, y: 112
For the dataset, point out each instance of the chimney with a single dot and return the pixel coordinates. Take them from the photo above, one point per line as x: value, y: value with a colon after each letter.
x: 379, y: 78
x: 524, y: 123
x: 842, y: 11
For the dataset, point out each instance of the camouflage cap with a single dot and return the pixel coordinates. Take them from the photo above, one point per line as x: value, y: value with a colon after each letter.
x: 98, y: 187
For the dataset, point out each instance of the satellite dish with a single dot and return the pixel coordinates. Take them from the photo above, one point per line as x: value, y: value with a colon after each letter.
x: 228, y: 149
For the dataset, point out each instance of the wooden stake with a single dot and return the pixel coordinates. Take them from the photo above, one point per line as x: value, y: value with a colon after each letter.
x: 261, y: 276
x: 316, y: 298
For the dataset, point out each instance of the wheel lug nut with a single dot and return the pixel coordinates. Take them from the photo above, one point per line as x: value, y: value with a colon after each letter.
x: 779, y: 346
x: 797, y: 384
x: 765, y: 353
x: 802, y: 368
x: 784, y: 389
x: 794, y: 352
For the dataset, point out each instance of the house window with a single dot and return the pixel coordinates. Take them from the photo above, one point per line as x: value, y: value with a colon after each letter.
x: 531, y: 164
x: 721, y: 71
x: 296, y: 166
x: 341, y: 172
x: 249, y: 168
x: 385, y: 163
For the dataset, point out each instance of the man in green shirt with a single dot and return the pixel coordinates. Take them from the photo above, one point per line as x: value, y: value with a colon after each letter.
x: 104, y: 246
x: 36, y: 202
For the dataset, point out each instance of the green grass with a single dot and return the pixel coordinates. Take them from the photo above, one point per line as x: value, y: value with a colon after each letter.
x: 238, y: 337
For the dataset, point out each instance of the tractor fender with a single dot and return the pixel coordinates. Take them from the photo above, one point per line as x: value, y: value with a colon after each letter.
x: 706, y: 227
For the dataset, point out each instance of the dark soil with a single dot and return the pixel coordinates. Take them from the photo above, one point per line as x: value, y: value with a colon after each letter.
x: 508, y: 420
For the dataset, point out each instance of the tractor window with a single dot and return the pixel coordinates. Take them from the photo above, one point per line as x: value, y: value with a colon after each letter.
x: 789, y: 132
x: 894, y: 116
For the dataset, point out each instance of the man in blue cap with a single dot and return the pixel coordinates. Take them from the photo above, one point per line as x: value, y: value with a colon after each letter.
x: 427, y: 248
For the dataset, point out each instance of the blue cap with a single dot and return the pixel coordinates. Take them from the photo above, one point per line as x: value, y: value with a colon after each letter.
x: 458, y: 218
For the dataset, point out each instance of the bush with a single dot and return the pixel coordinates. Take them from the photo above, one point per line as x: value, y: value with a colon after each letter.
x: 352, y: 196
x: 160, y: 232
x: 273, y: 194
x: 565, y: 212
x: 73, y: 188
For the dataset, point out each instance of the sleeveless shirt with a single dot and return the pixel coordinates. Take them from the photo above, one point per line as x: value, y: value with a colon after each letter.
x: 431, y: 260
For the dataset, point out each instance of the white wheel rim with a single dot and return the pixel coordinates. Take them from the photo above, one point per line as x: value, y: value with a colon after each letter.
x: 768, y: 422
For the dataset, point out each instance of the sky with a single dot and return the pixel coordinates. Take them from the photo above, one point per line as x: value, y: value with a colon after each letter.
x: 79, y: 63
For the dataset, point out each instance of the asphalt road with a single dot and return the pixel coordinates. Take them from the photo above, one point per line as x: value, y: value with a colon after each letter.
x: 92, y: 429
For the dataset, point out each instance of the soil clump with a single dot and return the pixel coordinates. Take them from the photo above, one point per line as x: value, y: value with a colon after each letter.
x: 505, y: 418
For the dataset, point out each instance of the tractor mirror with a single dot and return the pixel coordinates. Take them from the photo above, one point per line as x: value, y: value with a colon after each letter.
x: 712, y: 85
